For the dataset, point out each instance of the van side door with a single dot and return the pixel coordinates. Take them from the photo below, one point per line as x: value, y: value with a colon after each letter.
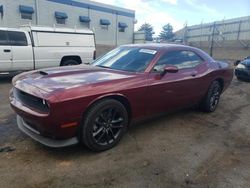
x: 5, y: 52
x: 22, y: 53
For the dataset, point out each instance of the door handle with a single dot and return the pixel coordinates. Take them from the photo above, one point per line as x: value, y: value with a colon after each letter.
x: 6, y: 50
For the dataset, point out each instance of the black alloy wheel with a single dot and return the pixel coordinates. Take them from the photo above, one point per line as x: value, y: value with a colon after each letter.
x: 104, y: 125
x: 108, y: 126
x: 215, y: 96
x: 212, y: 98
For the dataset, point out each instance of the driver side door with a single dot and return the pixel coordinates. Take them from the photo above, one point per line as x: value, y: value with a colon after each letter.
x: 173, y: 90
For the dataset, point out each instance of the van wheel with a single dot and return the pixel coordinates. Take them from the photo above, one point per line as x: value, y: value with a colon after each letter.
x: 68, y: 62
x: 211, y: 100
x: 104, y: 125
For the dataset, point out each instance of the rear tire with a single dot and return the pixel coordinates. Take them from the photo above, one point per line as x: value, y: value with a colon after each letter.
x: 211, y: 100
x: 104, y: 125
x: 69, y: 62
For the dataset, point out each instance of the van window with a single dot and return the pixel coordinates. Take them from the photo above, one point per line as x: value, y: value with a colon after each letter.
x: 17, y: 38
x: 3, y: 38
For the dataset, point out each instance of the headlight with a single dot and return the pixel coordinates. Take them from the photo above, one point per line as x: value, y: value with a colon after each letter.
x: 241, y: 66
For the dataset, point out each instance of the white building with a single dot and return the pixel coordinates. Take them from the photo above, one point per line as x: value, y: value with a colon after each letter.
x: 112, y: 25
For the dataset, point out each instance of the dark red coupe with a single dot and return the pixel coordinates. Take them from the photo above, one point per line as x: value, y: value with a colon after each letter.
x: 94, y: 104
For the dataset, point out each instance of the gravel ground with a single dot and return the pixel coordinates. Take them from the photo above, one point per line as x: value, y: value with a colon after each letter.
x: 185, y: 149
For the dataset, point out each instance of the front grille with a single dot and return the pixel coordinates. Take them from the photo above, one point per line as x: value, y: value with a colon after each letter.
x: 31, y: 101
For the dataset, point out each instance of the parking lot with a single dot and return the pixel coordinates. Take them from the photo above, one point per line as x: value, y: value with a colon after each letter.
x: 184, y: 149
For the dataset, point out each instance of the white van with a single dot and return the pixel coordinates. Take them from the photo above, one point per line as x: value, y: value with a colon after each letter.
x: 30, y: 48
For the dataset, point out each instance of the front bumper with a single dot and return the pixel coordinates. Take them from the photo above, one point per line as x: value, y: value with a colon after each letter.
x: 242, y: 73
x: 44, y: 140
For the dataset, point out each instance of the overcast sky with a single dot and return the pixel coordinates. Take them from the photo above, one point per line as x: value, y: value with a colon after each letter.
x: 178, y: 12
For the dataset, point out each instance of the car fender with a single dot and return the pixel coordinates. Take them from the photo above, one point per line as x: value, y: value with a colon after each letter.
x: 105, y: 96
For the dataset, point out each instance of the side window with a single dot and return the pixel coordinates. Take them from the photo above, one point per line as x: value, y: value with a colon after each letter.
x: 26, y: 16
x: 17, y: 38
x: 61, y: 21
x: 85, y: 24
x: 181, y: 59
x: 3, y: 38
x: 122, y: 29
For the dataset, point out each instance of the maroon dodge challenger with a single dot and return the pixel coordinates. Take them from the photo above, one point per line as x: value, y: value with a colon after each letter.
x: 94, y: 104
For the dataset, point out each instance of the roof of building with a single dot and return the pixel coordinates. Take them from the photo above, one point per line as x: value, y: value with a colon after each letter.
x: 97, y: 6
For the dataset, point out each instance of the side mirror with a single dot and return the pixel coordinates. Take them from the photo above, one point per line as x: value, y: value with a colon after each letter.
x: 169, y: 69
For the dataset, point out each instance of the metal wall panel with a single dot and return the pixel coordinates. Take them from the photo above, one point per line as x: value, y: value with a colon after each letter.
x: 233, y: 29
x: 44, y: 15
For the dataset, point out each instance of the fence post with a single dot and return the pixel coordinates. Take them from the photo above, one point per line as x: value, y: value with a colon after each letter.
x: 239, y: 29
x: 212, y: 41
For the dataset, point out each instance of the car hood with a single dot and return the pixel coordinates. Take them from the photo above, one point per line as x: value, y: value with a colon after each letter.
x: 246, y: 62
x: 63, y: 78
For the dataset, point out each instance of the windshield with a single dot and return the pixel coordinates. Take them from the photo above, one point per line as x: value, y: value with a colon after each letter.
x: 126, y: 59
x: 245, y: 62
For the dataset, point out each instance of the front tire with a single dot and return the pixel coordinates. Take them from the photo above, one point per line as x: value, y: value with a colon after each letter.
x: 104, y: 125
x: 211, y: 100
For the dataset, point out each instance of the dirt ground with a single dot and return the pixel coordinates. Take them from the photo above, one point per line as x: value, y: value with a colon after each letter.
x: 185, y: 149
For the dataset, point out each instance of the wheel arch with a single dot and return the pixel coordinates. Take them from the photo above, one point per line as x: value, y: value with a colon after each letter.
x: 68, y: 57
x: 203, y: 104
x: 116, y: 96
x: 221, y: 82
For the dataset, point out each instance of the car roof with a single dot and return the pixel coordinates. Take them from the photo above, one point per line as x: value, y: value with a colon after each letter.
x: 10, y: 29
x: 170, y: 46
x: 158, y: 46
